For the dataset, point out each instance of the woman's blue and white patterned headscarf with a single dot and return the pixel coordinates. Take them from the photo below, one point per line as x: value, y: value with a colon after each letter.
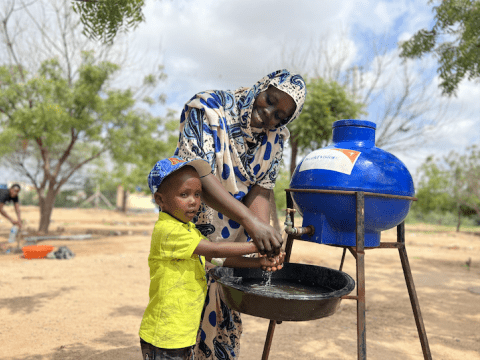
x: 215, y: 126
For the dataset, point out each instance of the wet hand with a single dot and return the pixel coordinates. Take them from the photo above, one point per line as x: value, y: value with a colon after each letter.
x: 272, y: 263
x: 266, y: 238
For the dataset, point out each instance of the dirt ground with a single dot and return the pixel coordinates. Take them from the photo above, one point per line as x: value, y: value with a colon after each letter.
x: 90, y: 307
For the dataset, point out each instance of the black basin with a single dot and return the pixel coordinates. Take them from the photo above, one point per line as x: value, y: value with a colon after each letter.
x: 299, y: 293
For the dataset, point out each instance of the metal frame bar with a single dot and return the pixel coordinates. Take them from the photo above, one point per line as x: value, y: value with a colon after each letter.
x: 358, y: 252
x: 347, y: 192
x: 422, y: 334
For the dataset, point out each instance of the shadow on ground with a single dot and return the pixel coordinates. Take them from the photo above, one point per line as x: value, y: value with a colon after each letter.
x: 29, y: 304
x: 76, y: 351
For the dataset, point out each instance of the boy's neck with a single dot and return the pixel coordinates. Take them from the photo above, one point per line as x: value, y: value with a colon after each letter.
x: 183, y: 222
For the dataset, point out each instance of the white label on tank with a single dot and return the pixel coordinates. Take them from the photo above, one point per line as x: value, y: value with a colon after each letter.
x: 341, y: 160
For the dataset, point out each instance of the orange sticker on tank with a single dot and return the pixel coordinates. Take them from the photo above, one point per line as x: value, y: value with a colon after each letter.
x: 339, y: 160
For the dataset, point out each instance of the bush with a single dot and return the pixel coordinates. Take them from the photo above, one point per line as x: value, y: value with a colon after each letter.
x: 28, y: 198
x: 439, y: 218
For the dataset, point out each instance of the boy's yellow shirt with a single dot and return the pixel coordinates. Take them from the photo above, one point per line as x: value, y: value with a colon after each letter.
x: 177, y: 285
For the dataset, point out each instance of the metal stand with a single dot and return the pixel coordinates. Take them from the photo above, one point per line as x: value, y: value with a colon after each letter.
x: 358, y: 253
x: 95, y: 197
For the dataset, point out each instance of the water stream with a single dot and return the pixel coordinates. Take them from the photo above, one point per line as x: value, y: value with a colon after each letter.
x: 267, y: 278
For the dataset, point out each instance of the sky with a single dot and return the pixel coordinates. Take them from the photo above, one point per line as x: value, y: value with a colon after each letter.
x: 226, y: 44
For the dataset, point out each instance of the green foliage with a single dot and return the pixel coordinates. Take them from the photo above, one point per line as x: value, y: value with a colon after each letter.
x: 326, y: 102
x: 29, y: 198
x: 282, y: 183
x: 106, y: 186
x: 44, y: 107
x: 152, y: 145
x: 449, y: 186
x: 454, y: 39
x: 51, y: 127
x: 449, y: 218
x: 465, y: 172
x: 103, y: 19
x: 434, y: 190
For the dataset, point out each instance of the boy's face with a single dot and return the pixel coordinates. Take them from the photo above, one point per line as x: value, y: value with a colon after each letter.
x: 179, y: 194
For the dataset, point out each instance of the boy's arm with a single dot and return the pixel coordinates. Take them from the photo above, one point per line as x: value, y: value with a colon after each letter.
x: 264, y: 262
x: 224, y: 249
x: 233, y: 251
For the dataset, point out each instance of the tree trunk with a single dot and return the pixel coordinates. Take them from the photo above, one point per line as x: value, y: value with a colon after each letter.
x: 273, y: 212
x: 293, y: 160
x: 124, y: 202
x: 46, y: 208
x: 459, y: 218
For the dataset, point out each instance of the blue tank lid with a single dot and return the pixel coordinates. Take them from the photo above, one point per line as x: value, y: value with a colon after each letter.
x: 352, y: 122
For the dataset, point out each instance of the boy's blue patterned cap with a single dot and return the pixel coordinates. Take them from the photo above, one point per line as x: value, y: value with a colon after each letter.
x: 165, y: 167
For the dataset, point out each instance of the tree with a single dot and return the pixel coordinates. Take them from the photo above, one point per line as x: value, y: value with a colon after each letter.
x: 398, y: 96
x: 434, y: 187
x: 454, y: 39
x: 465, y: 175
x: 326, y: 102
x: 131, y: 168
x: 62, y: 91
x: 451, y: 184
x: 55, y: 127
x: 103, y: 19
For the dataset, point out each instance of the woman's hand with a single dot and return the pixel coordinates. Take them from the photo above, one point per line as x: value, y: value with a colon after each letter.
x: 272, y: 263
x: 253, y: 213
x: 265, y: 237
x: 268, y: 240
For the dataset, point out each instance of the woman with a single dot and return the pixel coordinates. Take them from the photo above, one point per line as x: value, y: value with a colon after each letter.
x: 241, y: 134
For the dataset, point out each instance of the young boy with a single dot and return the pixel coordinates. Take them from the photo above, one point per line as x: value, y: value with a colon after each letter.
x: 177, y: 261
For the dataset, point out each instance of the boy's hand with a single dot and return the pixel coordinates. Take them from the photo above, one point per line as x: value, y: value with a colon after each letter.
x: 272, y: 263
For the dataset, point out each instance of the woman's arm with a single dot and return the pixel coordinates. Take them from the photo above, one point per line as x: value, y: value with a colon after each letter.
x: 258, y: 201
x: 253, y: 215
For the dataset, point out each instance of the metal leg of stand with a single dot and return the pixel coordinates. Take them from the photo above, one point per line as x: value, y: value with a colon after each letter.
x: 288, y: 251
x: 360, y: 250
x: 343, y: 259
x: 268, y: 340
x: 422, y: 334
x: 288, y: 248
x: 271, y: 326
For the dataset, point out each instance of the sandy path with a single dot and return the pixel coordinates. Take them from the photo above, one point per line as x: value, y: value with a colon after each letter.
x: 90, y: 307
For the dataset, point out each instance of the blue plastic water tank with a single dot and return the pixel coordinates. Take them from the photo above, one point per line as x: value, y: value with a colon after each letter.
x: 352, y: 163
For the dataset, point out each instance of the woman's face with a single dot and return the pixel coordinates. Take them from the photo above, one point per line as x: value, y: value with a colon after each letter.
x: 271, y: 107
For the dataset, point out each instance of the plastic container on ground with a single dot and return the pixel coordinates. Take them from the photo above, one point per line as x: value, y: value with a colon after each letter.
x: 36, y: 251
x: 13, y: 234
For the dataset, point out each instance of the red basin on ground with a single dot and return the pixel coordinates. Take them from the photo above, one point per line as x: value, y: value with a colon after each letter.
x: 36, y: 251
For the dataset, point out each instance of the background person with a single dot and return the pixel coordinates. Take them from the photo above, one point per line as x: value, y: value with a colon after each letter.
x: 7, y: 195
x: 241, y: 134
